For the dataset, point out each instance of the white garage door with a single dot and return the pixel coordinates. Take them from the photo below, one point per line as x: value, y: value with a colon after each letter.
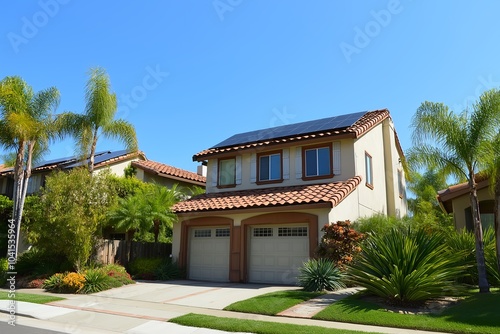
x: 276, y: 253
x: 209, y: 254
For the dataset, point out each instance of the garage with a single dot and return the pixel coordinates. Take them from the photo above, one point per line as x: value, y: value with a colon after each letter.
x: 209, y: 254
x: 276, y: 253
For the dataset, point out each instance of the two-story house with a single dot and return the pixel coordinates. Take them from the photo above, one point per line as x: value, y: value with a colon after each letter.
x: 269, y: 193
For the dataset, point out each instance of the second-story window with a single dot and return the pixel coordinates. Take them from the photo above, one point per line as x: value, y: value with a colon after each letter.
x: 227, y: 172
x: 269, y: 167
x: 317, y: 161
x: 369, y: 170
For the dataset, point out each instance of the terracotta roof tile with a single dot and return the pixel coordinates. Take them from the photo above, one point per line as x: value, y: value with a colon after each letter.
x: 166, y: 171
x: 360, y: 127
x: 330, y: 193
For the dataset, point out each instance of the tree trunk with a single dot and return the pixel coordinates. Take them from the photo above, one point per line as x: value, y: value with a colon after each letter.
x: 497, y: 221
x: 92, y: 153
x: 18, y: 187
x: 156, y: 229
x: 484, y: 287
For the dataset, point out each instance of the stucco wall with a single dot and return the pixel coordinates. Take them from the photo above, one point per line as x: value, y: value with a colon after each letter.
x: 459, y: 205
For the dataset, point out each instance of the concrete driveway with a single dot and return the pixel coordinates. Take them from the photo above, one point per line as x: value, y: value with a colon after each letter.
x: 191, y: 293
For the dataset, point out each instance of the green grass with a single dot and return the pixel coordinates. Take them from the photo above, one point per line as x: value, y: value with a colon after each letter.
x: 478, y: 313
x: 253, y: 326
x: 272, y: 303
x: 30, y: 298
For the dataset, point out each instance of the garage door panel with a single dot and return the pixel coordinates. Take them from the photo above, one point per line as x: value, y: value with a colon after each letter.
x: 276, y: 253
x: 209, y: 254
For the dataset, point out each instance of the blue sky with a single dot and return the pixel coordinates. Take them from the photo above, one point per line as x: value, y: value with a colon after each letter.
x: 188, y: 74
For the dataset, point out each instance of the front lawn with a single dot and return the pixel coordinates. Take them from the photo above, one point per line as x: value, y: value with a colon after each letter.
x: 253, y: 326
x: 272, y: 303
x: 30, y: 298
x: 476, y: 314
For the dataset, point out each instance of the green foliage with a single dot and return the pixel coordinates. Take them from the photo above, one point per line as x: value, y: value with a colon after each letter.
x: 380, y: 224
x: 37, y: 263
x: 143, y: 268
x: 54, y: 283
x: 4, y: 268
x: 463, y: 243
x: 130, y: 171
x: 67, y: 217
x: 127, y: 186
x: 321, y: 275
x: 406, y: 267
x: 168, y: 270
x: 340, y: 243
x: 96, y: 280
x: 5, y: 215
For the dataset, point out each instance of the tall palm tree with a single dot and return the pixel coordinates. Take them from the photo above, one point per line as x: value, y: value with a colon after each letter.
x: 457, y: 144
x: 159, y: 201
x: 98, y: 119
x: 26, y: 127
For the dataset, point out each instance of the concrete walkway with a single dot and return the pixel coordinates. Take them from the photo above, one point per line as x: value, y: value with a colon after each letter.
x: 129, y: 309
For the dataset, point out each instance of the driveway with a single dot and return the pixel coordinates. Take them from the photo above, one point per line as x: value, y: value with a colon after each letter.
x: 191, y: 293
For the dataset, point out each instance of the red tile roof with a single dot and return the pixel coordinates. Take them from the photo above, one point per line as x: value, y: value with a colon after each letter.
x: 360, y: 127
x: 328, y: 193
x: 169, y: 171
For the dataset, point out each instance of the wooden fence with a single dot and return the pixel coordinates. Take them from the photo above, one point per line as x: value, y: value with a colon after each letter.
x: 116, y: 251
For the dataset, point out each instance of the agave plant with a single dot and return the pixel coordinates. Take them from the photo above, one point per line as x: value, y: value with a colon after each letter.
x: 319, y: 275
x: 406, y: 267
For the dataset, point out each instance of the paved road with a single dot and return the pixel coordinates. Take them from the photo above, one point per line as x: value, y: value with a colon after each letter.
x: 5, y: 328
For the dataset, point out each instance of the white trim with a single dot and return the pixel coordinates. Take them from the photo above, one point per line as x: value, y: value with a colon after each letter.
x: 253, y: 168
x: 286, y: 164
x: 238, y: 170
x: 298, y: 163
x: 336, y: 158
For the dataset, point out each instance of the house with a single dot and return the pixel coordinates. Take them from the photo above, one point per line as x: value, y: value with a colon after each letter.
x: 116, y: 161
x: 269, y: 193
x: 456, y: 200
x: 165, y: 175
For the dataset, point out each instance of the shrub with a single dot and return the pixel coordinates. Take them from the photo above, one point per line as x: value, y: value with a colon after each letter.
x: 463, y: 242
x: 406, y: 267
x: 145, y: 268
x: 73, y: 282
x: 168, y: 270
x: 340, y: 243
x: 118, y: 275
x: 4, y: 268
x: 54, y: 283
x: 380, y: 224
x: 37, y: 263
x: 95, y: 280
x: 320, y: 275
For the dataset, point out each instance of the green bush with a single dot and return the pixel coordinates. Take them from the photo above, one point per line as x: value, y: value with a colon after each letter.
x: 54, y: 283
x: 320, y: 275
x: 145, y: 268
x: 380, y: 224
x: 168, y: 270
x: 4, y: 268
x: 96, y: 280
x: 464, y: 243
x: 37, y: 263
x: 406, y: 267
x: 118, y: 275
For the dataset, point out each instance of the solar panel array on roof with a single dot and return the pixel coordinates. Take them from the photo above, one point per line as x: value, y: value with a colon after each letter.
x: 330, y: 123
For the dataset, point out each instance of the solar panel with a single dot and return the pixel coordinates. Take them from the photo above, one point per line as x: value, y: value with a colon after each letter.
x: 330, y: 123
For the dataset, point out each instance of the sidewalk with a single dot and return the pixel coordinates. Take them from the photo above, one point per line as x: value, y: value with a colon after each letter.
x: 105, y: 314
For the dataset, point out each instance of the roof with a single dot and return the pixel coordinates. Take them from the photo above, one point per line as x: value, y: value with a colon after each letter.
x: 330, y: 194
x: 446, y: 196
x: 350, y: 125
x: 167, y: 171
x: 100, y: 159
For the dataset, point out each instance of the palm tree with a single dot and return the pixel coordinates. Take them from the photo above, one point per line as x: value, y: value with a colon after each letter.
x: 456, y: 144
x: 159, y: 201
x: 26, y: 127
x: 98, y: 118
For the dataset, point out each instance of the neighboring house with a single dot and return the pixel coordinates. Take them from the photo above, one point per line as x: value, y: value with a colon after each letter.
x: 116, y: 161
x: 270, y: 192
x: 165, y: 175
x: 456, y: 200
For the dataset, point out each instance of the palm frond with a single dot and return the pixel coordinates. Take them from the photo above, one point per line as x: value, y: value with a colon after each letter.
x: 122, y: 131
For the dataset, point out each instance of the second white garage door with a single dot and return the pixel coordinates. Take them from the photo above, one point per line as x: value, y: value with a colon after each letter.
x: 209, y: 254
x: 277, y: 253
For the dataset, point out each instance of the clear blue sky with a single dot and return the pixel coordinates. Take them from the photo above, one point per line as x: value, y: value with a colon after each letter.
x: 189, y: 74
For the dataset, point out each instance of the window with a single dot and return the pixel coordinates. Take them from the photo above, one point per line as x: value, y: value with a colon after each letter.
x: 369, y: 170
x: 269, y: 167
x: 292, y: 231
x: 222, y: 232
x: 227, y: 172
x: 400, y: 184
x: 203, y: 233
x: 317, y: 162
x: 263, y: 232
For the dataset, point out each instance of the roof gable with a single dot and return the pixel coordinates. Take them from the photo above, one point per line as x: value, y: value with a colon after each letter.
x: 164, y: 170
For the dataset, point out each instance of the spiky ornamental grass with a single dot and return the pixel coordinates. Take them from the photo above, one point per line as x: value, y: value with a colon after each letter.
x: 319, y: 275
x: 406, y: 267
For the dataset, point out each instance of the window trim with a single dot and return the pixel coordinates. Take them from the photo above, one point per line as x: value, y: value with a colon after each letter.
x: 264, y: 154
x: 219, y: 170
x: 369, y: 172
x: 316, y: 147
